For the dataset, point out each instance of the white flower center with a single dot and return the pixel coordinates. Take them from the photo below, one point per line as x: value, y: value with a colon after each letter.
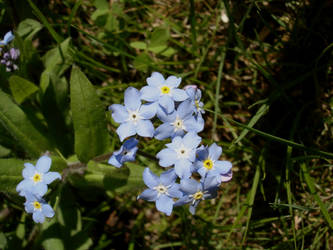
x: 161, y: 189
x: 183, y: 152
x: 178, y: 124
x: 134, y: 116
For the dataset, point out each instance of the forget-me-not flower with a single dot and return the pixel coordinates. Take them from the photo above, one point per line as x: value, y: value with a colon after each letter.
x: 38, y: 207
x: 126, y: 152
x: 181, y: 153
x: 195, y: 191
x: 134, y: 117
x: 161, y: 189
x: 207, y: 163
x: 37, y: 178
x: 179, y: 121
x: 162, y: 93
x: 7, y: 38
x: 9, y: 59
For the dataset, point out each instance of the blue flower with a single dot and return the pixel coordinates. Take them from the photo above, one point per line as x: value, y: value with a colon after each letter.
x: 134, y: 117
x: 161, y: 189
x: 8, y: 37
x: 207, y: 163
x: 181, y: 153
x: 163, y: 93
x: 126, y: 152
x: 9, y: 58
x: 195, y: 191
x: 38, y: 207
x: 195, y: 95
x: 176, y: 123
x: 37, y: 178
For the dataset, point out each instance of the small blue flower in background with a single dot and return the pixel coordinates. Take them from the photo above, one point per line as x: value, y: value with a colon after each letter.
x: 195, y: 95
x: 195, y: 191
x: 38, y: 207
x: 207, y: 163
x: 134, y: 117
x: 163, y: 93
x: 37, y: 178
x: 176, y: 123
x: 161, y: 189
x: 9, y: 58
x: 181, y: 153
x: 8, y: 38
x: 126, y: 152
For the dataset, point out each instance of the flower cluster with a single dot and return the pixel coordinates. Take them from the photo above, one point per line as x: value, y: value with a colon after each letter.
x: 180, y: 113
x: 9, y: 55
x: 34, y: 186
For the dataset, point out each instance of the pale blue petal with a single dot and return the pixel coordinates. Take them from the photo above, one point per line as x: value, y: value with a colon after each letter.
x: 202, y: 153
x: 176, y: 143
x: 29, y: 206
x: 28, y: 171
x: 150, y: 94
x: 173, y: 81
x: 190, y: 186
x: 191, y: 93
x: 192, y: 208
x: 50, y: 177
x: 23, y: 187
x: 47, y: 210
x: 113, y: 161
x: 164, y: 204
x: 167, y: 102
x: 185, y: 109
x: 126, y: 129
x: 145, y: 128
x: 164, y: 117
x: 8, y: 37
x: 39, y: 189
x: 202, y: 171
x: 43, y: 164
x: 174, y: 191
x: 155, y: 80
x: 148, y: 111
x: 168, y: 177
x: 164, y: 131
x: 148, y: 195
x: 183, y: 168
x: 132, y: 98
x: 191, y: 140
x: 178, y: 95
x: 182, y: 201
x: 167, y: 157
x: 192, y: 125
x: 214, y: 152
x: 150, y: 179
x: 119, y: 113
x: 223, y: 167
x: 226, y: 177
x: 38, y: 216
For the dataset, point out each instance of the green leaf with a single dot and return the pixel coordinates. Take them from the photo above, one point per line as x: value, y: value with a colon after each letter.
x: 169, y: 52
x: 142, y: 62
x: 21, y: 128
x: 90, y: 127
x: 21, y: 88
x: 138, y: 45
x: 159, y: 37
x: 158, y: 49
x: 3, y: 241
x: 10, y: 174
x: 59, y: 59
x: 4, y: 151
x: 28, y: 27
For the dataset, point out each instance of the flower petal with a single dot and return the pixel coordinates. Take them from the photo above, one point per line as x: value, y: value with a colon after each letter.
x: 38, y: 216
x: 28, y: 171
x: 150, y: 179
x: 173, y: 81
x: 168, y: 177
x: 126, y: 129
x: 174, y: 191
x: 164, y: 204
x: 223, y: 167
x: 185, y: 109
x: 191, y: 140
x: 167, y: 157
x: 119, y: 113
x: 190, y: 186
x: 148, y: 111
x: 214, y: 152
x: 132, y: 98
x: 178, y: 95
x: 47, y: 210
x: 167, y: 102
x: 43, y: 164
x: 145, y: 128
x: 155, y: 80
x: 148, y: 195
x: 150, y: 94
x: 164, y: 131
x: 114, y: 161
x: 50, y: 177
x: 183, y: 168
x: 193, y: 125
x: 39, y: 189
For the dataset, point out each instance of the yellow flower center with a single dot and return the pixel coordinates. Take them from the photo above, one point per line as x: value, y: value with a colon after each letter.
x: 37, y: 205
x: 165, y: 90
x: 208, y: 164
x: 37, y: 177
x: 197, y: 104
x: 198, y: 195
